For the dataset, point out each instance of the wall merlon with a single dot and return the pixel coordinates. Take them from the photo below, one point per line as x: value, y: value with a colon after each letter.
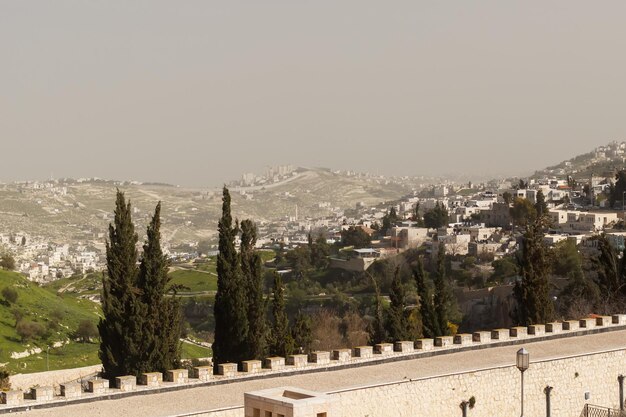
x: 298, y: 361
x: 320, y: 358
x: 126, y: 383
x: 342, y: 355
x: 151, y: 379
x: 587, y: 323
x: 554, y: 327
x: 363, y: 352
x: 71, y: 390
x: 571, y: 325
x: 202, y: 373
x: 383, y: 348
x: 463, y: 339
x: 43, y: 393
x: 274, y: 363
x: 15, y: 397
x: 177, y: 376
x: 500, y: 334
x: 424, y: 344
x: 518, y: 332
x: 537, y: 329
x: 98, y: 386
x: 619, y: 319
x: 604, y: 321
x: 404, y: 346
x: 252, y: 367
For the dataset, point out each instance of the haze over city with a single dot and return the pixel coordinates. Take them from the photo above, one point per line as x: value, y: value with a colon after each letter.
x: 197, y: 93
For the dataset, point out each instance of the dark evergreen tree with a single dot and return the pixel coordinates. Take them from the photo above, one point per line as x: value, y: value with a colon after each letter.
x: 443, y: 298
x: 427, y: 310
x: 231, y: 318
x: 534, y: 304
x: 162, y: 317
x: 417, y: 216
x: 302, y: 333
x: 281, y: 342
x: 437, y: 217
x: 397, y: 321
x: 251, y: 270
x: 376, y: 328
x: 121, y: 325
x: 541, y: 207
x: 608, y: 268
x: 320, y: 250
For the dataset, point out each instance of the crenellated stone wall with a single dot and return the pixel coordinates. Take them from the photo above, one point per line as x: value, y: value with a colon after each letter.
x: 359, y: 356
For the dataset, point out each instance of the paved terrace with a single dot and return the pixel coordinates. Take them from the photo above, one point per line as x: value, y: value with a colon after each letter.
x: 188, y: 401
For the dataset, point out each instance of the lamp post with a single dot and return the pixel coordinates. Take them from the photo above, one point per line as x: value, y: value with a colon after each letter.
x: 522, y: 362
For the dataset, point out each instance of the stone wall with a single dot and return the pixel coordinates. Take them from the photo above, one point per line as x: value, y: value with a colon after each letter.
x: 53, y: 378
x: 496, y: 391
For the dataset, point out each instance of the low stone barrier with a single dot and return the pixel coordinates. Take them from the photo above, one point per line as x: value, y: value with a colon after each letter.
x: 444, y: 341
x: 463, y: 339
x: 363, y: 352
x: 12, y: 398
x: 320, y: 358
x: 342, y: 355
x: 252, y: 367
x: 424, y: 344
x: 619, y: 319
x: 604, y: 321
x: 227, y: 369
x: 404, y: 346
x: 500, y: 334
x: 43, y: 393
x: 571, y: 325
x: 481, y: 337
x: 151, y: 379
x: 554, y: 327
x: 126, y: 383
x: 383, y: 348
x: 71, y: 390
x: 274, y: 363
x: 518, y: 332
x: 587, y: 323
x: 98, y: 386
x: 536, y: 329
x: 298, y: 361
x: 202, y: 373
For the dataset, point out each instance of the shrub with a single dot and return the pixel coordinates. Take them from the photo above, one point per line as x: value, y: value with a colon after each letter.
x: 29, y: 330
x: 86, y: 330
x: 9, y: 294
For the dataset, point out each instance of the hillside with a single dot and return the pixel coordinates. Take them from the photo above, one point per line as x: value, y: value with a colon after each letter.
x: 58, y: 317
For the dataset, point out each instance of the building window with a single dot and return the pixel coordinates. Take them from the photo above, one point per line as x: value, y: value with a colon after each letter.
x: 268, y: 414
x: 321, y: 414
x: 256, y: 412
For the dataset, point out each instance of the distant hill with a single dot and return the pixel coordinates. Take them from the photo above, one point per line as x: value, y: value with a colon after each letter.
x: 603, y: 161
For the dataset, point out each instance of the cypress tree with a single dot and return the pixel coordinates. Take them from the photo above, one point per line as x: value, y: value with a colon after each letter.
x: 376, y: 329
x: 282, y: 344
x: 251, y: 270
x: 121, y: 326
x: 443, y: 298
x: 162, y: 321
x: 231, y: 320
x: 301, y: 333
x: 397, y: 321
x: 427, y: 310
x: 532, y: 291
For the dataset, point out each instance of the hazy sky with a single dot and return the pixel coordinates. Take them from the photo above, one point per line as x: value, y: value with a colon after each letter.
x: 197, y: 92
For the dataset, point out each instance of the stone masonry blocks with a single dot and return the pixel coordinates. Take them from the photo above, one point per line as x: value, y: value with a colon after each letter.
x: 15, y: 397
x: 383, y: 348
x: 587, y: 323
x: 43, y: 393
x: 320, y: 358
x: 404, y: 346
x: 126, y: 383
x: 619, y: 319
x: 177, y: 376
x: 252, y: 367
x: 554, y: 327
x: 518, y: 331
x: 274, y: 363
x: 443, y: 341
x: 604, y: 321
x: 298, y: 361
x: 571, y: 325
x: 483, y: 336
x: 500, y: 334
x: 71, y: 390
x: 151, y: 379
x: 342, y: 355
x: 201, y: 373
x: 463, y: 339
x: 363, y: 352
x: 98, y: 386
x: 424, y: 344
x: 537, y: 329
x: 227, y: 369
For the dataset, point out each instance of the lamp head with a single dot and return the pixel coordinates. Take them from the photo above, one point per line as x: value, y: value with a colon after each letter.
x: 522, y: 359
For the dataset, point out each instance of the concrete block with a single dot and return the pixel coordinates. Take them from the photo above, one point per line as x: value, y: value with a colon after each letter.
x: 424, y: 344
x: 151, y: 379
x: 252, y: 367
x: 43, y: 393
x: 202, y: 373
x: 274, y: 363
x: 177, y: 376
x: 554, y: 327
x: 500, y: 334
x: 320, y: 358
x: 363, y: 352
x: 383, y: 348
x: 126, y: 383
x: 537, y: 329
x: 571, y: 325
x: 98, y: 386
x: 227, y: 369
x: 342, y: 355
x: 518, y: 332
x: 71, y: 390
x: 619, y: 319
x: 587, y: 323
x: 298, y: 361
x: 443, y: 341
x: 404, y: 346
x: 14, y: 397
x: 463, y: 339
x: 482, y: 337
x: 604, y: 321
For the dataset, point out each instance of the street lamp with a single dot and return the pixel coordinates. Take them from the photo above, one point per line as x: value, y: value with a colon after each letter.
x: 522, y: 362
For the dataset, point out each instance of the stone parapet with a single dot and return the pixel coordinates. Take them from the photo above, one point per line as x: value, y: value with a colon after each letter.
x: 444, y: 341
x: 619, y: 319
x: 227, y: 369
x: 604, y: 321
x: 320, y: 358
x: 71, y: 390
x: 151, y: 379
x: 587, y: 323
x: 537, y: 329
x: 98, y: 386
x: 481, y: 337
x: 404, y: 346
x: 342, y: 355
x: 500, y: 334
x: 177, y: 376
x: 201, y: 373
x: 126, y: 383
x: 43, y: 393
x: 363, y: 352
x: 463, y: 339
x: 252, y: 367
x: 298, y: 361
x: 554, y: 327
x: 383, y: 348
x: 571, y: 325
x: 15, y: 397
x: 274, y: 363
x: 518, y: 332
x: 424, y: 344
